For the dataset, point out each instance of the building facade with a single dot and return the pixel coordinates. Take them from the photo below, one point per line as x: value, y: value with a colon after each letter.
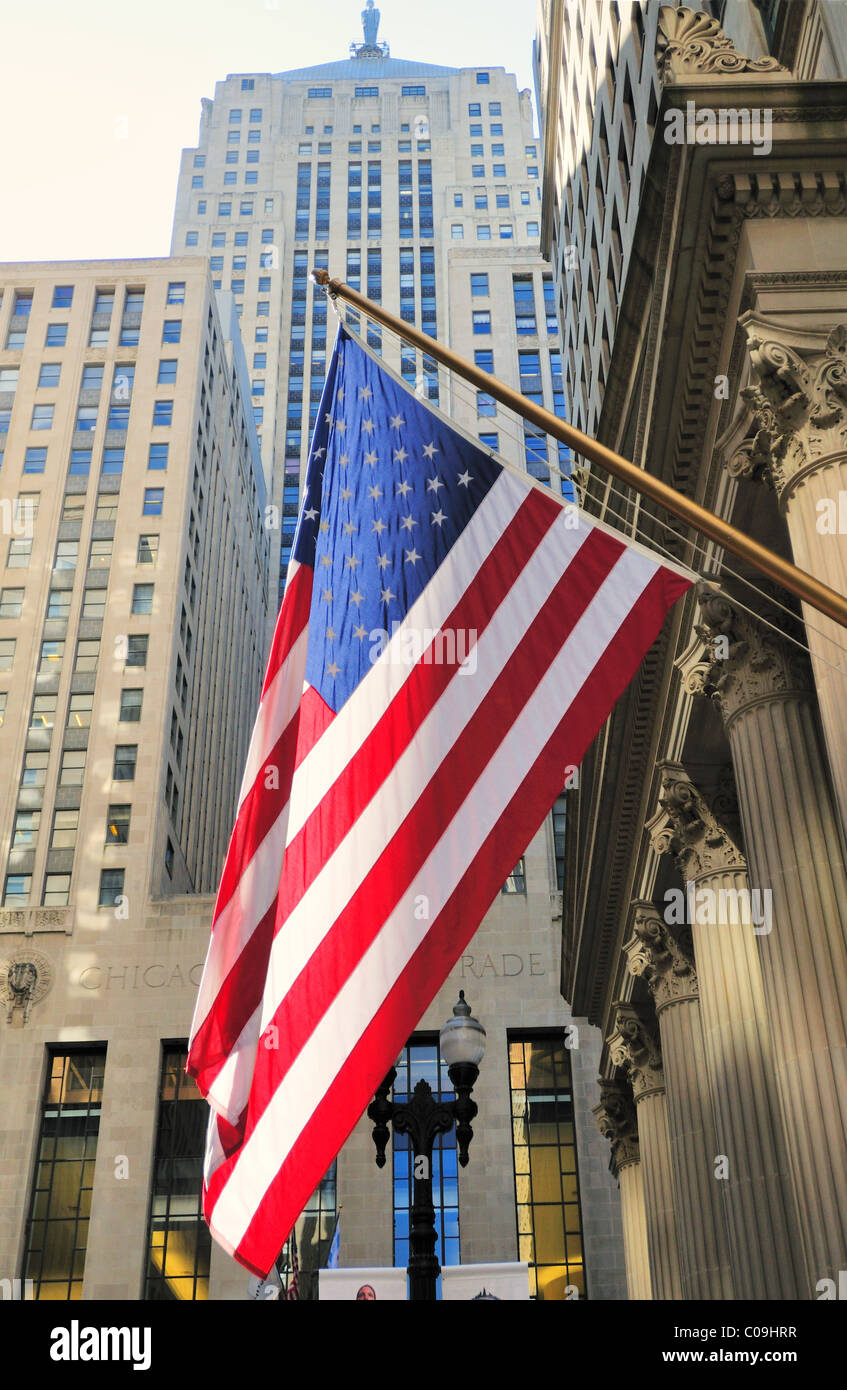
x: 705, y: 910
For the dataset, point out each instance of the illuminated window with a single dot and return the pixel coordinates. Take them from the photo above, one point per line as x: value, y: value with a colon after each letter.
x: 178, y: 1240
x: 546, y: 1186
x: 421, y: 1059
x: 57, y: 1229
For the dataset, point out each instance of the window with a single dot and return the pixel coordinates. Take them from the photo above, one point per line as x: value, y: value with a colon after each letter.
x: 499, y: 171
x: 100, y: 555
x: 157, y: 457
x: 494, y: 108
x: 153, y: 501
x: 9, y: 378
x: 43, y: 714
x: 506, y: 231
x: 482, y: 79
x: 478, y: 171
x: 124, y: 765
x: 163, y: 413
x: 117, y: 824
x: 319, y: 92
x: 23, y: 303
x: 92, y: 378
x: 17, y: 890
x: 137, y: 646
x: 479, y: 285
x: 79, y: 711
x: 171, y: 330
x: 11, y: 603
x: 73, y: 767
x: 497, y: 151
x: 544, y: 1151
x: 51, y: 657
x: 49, y: 374
x: 57, y: 335
x: 19, y: 554
x: 130, y: 711
x: 484, y: 359
x: 483, y: 233
x: 7, y: 653
x: 482, y: 321
x: 65, y: 827
x: 457, y: 231
x: 35, y: 460
x: 86, y: 418
x: 80, y: 462
x: 106, y: 507
x: 167, y: 371
x: 67, y: 555
x: 142, y: 598
x: 111, y: 887
x: 491, y: 441
x: 148, y: 550
x: 474, y: 109
x: 87, y: 655
x: 113, y: 461
x: 485, y: 404
x: 25, y: 830
x: 178, y: 1239
x: 260, y: 361
x: 421, y: 1060
x: 532, y: 229
x: 94, y: 604
x: 57, y: 890
x: 516, y: 882
x: 191, y: 238
x: 34, y: 771
x: 57, y: 1228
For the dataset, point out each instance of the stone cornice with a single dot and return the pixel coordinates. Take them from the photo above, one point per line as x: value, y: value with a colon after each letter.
x: 798, y: 402
x: 690, y: 43
x: 617, y: 1121
x: 701, y: 833
x: 663, y: 959
x: 634, y: 1045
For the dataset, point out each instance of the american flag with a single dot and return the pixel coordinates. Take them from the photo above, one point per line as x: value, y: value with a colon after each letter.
x: 451, y: 639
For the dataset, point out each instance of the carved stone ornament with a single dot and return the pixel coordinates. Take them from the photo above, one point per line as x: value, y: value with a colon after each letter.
x: 703, y: 835
x: 617, y: 1121
x: 691, y: 43
x: 798, y: 402
x: 664, y: 959
x: 634, y: 1044
x: 748, y: 661
x: 25, y: 978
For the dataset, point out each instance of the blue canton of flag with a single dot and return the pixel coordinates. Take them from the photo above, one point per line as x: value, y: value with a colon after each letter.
x: 390, y: 488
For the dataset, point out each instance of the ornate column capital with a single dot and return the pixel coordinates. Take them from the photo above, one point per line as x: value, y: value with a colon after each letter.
x: 691, y: 43
x: 634, y: 1044
x: 797, y: 397
x: 664, y: 959
x: 701, y: 831
x: 617, y: 1122
x: 747, y: 661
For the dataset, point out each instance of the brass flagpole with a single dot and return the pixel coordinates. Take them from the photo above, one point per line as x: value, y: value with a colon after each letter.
x: 797, y: 581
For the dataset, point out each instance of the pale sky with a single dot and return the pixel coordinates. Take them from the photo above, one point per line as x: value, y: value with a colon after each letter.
x: 98, y: 98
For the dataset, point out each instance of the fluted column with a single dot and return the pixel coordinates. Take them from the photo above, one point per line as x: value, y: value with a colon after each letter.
x: 666, y: 962
x: 634, y: 1045
x: 791, y: 833
x: 756, y: 1188
x: 798, y: 445
x: 617, y: 1122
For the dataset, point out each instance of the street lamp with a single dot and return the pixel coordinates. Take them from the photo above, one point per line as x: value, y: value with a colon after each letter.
x: 423, y: 1118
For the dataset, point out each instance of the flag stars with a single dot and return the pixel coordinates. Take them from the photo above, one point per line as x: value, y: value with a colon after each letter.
x: 464, y: 479
x: 319, y: 453
x: 346, y: 493
x: 407, y: 522
x: 310, y: 514
x: 352, y: 562
x: 348, y: 528
x: 372, y: 458
x: 375, y: 492
x: 368, y: 426
x: 333, y: 670
x: 327, y: 595
x: 378, y: 526
x: 430, y: 450
x: 387, y: 595
x: 360, y: 632
x: 438, y: 518
x: 400, y: 455
x: 341, y: 426
x: 433, y: 484
x: 403, y: 488
x: 357, y: 597
x: 383, y: 562
x: 397, y: 422
x: 340, y: 396
x: 365, y: 393
x: 331, y: 634
x: 324, y: 527
x: 326, y: 561
x: 412, y: 557
x: 343, y: 460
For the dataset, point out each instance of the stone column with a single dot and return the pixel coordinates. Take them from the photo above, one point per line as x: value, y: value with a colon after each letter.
x: 703, y: 837
x: 666, y: 962
x: 635, y: 1046
x: 798, y: 445
x: 764, y: 691
x: 617, y: 1122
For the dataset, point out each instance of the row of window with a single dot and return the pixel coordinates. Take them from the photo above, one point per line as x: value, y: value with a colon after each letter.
x: 100, y: 555
x: 93, y: 603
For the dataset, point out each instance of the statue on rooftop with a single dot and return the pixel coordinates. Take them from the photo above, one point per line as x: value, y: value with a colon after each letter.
x: 370, y: 24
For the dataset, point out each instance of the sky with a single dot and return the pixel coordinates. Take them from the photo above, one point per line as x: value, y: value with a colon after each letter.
x: 108, y: 94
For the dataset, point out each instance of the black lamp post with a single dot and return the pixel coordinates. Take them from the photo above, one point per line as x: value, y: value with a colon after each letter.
x: 423, y: 1118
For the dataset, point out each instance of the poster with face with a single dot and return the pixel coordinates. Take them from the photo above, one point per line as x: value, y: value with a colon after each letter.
x: 362, y: 1285
x: 486, y: 1283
